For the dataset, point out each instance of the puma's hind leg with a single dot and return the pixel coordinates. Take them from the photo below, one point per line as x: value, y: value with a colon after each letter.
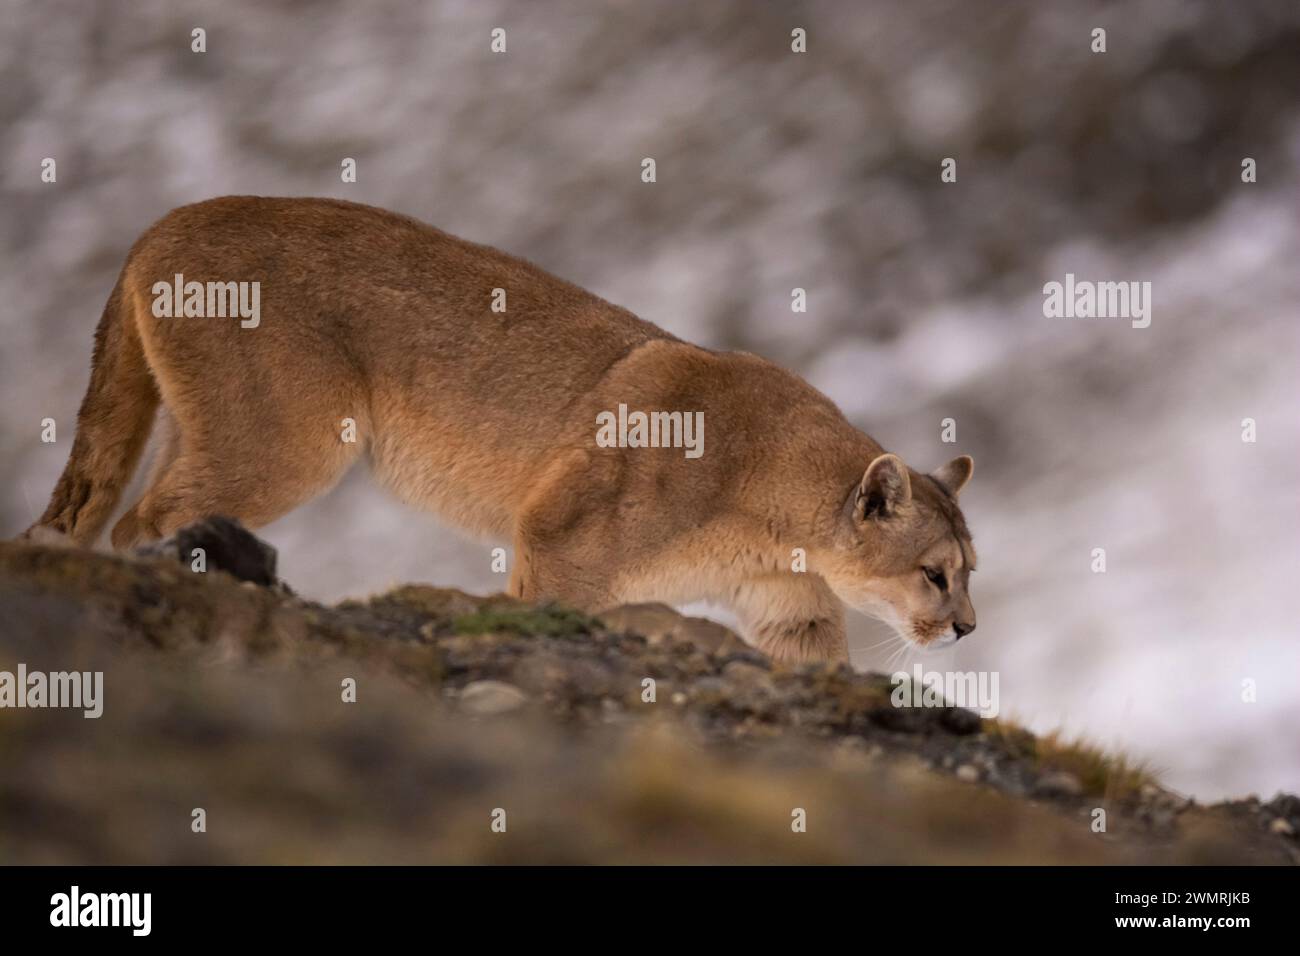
x: 250, y: 476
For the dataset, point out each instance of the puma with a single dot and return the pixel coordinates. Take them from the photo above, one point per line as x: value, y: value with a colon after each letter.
x: 489, y: 418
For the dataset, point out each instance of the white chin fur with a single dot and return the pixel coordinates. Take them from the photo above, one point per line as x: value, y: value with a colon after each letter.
x: 882, y: 612
x: 947, y: 639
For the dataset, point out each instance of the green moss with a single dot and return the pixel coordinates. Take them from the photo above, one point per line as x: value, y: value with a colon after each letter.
x: 551, y: 620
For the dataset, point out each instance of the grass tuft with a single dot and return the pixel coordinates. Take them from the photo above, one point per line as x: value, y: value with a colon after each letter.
x: 1115, y: 776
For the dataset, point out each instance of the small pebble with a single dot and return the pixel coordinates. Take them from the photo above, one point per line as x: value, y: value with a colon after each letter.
x: 489, y: 697
x: 1058, y: 784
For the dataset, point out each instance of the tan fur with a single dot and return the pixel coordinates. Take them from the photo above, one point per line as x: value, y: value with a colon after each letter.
x: 489, y: 420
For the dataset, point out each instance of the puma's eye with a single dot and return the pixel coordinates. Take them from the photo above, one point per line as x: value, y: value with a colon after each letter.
x: 936, y: 578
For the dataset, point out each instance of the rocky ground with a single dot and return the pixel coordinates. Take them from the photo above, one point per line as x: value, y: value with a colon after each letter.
x: 226, y: 692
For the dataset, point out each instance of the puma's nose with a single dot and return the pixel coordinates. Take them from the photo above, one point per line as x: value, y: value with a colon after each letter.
x: 962, y: 628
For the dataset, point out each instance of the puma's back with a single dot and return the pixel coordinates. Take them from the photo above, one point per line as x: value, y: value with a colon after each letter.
x: 355, y: 292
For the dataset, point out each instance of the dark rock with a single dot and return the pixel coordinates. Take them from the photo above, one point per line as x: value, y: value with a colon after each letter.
x: 1286, y: 805
x: 908, y: 720
x: 227, y: 546
x: 960, y: 721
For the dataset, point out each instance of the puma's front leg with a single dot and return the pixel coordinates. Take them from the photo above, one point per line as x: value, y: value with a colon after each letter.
x: 793, y: 617
x: 548, y: 570
x: 564, y: 549
x: 554, y: 569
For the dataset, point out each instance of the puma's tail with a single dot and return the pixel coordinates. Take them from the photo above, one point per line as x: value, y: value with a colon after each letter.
x: 112, y: 427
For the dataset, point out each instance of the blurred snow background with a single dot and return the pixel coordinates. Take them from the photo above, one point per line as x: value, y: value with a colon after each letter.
x: 778, y: 170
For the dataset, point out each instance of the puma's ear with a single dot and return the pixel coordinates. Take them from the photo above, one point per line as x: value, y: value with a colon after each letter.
x: 884, y: 489
x: 954, y: 475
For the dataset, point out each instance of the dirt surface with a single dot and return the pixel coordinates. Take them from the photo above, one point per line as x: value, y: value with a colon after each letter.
x: 637, y: 736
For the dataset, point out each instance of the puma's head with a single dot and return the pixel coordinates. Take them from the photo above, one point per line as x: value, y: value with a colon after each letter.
x: 903, y: 553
